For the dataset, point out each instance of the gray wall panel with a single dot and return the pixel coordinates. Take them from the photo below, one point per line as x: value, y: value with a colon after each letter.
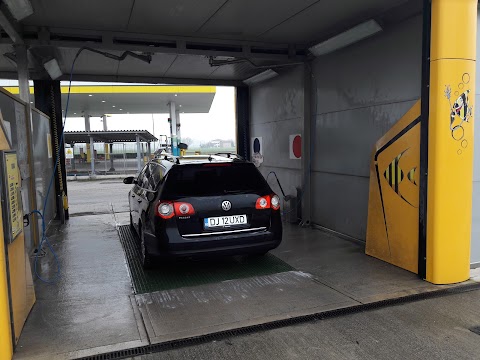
x: 383, y: 69
x: 278, y: 99
x: 361, y: 92
x: 340, y: 203
x: 345, y: 140
x: 276, y: 113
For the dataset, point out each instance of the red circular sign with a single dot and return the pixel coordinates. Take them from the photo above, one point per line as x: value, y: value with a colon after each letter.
x: 297, y: 146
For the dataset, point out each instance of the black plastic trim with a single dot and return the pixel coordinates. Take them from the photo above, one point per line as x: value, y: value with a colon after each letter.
x: 425, y: 112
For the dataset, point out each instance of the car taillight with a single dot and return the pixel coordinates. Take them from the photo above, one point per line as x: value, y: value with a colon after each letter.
x: 184, y: 209
x: 263, y: 203
x: 165, y: 210
x: 275, y: 202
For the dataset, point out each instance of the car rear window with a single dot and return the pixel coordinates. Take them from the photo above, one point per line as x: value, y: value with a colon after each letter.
x: 213, y: 180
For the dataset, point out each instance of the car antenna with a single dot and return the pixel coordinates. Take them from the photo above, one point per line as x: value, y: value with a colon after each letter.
x: 210, y: 158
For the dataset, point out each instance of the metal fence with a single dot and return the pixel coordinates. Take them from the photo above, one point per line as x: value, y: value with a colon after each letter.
x: 119, y: 158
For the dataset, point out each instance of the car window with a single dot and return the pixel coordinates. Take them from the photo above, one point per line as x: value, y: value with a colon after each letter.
x: 152, y: 178
x: 214, y: 179
x: 141, y: 176
x: 158, y: 175
x: 146, y: 177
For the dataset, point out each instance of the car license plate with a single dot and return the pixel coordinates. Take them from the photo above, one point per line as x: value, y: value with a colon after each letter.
x: 225, y: 221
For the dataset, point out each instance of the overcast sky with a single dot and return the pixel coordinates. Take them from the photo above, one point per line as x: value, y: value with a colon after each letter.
x: 219, y: 123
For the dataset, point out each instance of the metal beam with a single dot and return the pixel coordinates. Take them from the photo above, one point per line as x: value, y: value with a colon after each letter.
x: 307, y: 145
x: 121, y: 41
x: 22, y: 70
x: 129, y: 79
x: 10, y: 26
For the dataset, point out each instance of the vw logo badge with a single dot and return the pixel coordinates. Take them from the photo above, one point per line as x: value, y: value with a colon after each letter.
x: 226, y: 205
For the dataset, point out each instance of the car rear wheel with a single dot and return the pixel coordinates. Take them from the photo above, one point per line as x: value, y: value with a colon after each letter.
x: 145, y: 256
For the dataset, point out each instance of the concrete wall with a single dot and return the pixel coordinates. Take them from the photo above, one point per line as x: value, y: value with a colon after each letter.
x: 277, y: 112
x: 361, y: 92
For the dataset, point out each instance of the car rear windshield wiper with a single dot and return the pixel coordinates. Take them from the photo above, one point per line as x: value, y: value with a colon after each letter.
x: 238, y: 191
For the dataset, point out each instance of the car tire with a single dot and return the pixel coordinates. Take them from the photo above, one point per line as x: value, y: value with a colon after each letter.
x: 145, y: 257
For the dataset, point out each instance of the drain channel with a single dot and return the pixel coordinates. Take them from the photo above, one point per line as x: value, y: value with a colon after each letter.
x: 170, y: 345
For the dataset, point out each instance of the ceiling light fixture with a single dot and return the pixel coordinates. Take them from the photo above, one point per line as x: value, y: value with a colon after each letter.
x: 53, y: 69
x: 20, y: 9
x: 90, y: 95
x: 263, y: 76
x: 113, y: 105
x: 121, y: 109
x: 176, y: 95
x: 103, y: 101
x: 346, y: 38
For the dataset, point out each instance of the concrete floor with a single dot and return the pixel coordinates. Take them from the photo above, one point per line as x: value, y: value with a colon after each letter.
x: 424, y: 330
x: 92, y: 310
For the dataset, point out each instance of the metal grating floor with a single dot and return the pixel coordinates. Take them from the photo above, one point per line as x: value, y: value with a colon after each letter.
x: 185, y: 273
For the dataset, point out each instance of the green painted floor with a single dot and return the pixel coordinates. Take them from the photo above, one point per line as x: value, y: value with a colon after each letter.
x: 178, y: 274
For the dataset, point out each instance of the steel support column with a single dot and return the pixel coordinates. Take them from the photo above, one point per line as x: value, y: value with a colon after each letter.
x: 243, y: 121
x: 139, y: 155
x: 104, y: 120
x: 179, y: 127
x: 87, y: 122
x: 48, y: 100
x: 112, y: 168
x: 307, y: 144
x: 92, y: 157
x: 173, y: 126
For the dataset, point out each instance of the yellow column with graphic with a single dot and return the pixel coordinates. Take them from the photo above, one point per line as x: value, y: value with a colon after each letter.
x: 450, y: 140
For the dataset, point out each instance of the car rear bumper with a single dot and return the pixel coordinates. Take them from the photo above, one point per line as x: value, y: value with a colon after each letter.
x: 226, y: 244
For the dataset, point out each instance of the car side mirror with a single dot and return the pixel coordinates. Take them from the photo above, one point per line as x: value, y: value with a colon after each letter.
x: 130, y: 180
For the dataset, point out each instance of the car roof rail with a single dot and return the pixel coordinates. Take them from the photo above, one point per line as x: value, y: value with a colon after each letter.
x: 230, y: 155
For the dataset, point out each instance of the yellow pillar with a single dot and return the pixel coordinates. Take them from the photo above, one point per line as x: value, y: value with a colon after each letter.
x: 89, y: 154
x: 450, y: 140
x: 6, y: 345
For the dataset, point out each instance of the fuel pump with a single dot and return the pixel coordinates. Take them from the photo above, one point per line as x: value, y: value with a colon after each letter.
x: 17, y: 295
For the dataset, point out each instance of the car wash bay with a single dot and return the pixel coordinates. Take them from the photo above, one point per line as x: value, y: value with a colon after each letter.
x: 312, y: 272
x: 340, y: 103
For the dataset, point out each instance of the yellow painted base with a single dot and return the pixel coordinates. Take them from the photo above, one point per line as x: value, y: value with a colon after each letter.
x: 392, y: 230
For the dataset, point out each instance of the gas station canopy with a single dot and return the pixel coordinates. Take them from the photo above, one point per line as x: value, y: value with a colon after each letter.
x: 72, y: 137
x: 98, y: 100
